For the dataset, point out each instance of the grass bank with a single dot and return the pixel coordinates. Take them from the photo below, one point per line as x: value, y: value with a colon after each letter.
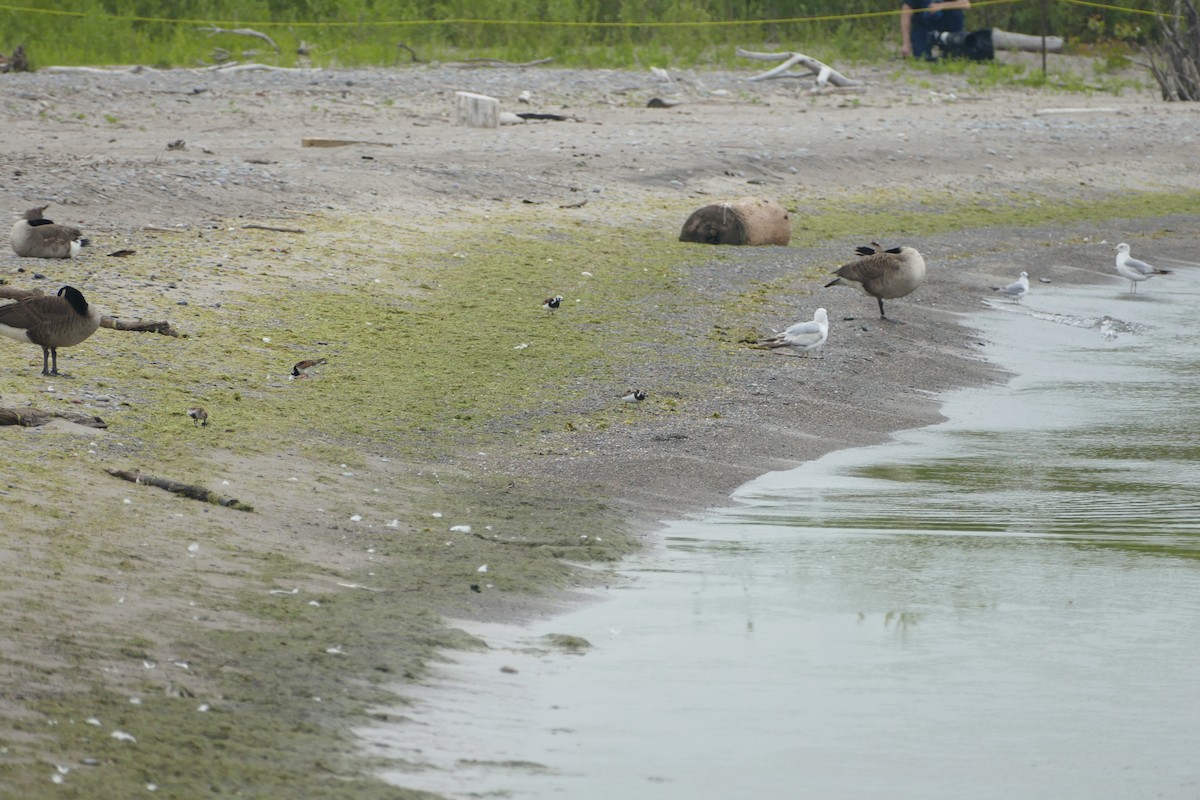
x: 595, y: 33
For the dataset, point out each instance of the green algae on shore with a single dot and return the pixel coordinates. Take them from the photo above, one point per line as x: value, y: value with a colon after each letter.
x: 282, y: 634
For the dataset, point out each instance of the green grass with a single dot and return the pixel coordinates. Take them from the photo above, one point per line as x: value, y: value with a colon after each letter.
x: 583, y: 33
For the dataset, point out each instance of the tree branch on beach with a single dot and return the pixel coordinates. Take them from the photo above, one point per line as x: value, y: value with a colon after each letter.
x: 177, y: 487
x: 213, y: 30
x: 827, y: 76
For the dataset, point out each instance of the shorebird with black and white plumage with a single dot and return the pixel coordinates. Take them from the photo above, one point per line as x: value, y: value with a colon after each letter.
x: 34, y: 236
x: 50, y: 321
x: 1015, y: 290
x: 883, y: 274
x: 306, y: 368
x: 803, y: 337
x: 1136, y: 271
x: 633, y: 396
x: 551, y: 304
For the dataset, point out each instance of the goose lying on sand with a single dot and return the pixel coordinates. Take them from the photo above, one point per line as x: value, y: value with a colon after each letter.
x: 34, y: 236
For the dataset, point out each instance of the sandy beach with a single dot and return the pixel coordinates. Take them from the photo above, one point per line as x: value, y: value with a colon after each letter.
x: 237, y: 649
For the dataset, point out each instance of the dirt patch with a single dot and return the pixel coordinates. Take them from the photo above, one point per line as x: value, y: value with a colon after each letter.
x: 462, y: 448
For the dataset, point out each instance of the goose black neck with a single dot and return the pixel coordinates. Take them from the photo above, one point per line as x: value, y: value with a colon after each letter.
x: 75, y: 298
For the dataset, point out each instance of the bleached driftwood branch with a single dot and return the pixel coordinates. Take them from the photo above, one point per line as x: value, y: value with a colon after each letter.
x: 826, y: 75
x: 254, y: 67
x: 135, y: 69
x: 474, y: 63
x: 213, y: 30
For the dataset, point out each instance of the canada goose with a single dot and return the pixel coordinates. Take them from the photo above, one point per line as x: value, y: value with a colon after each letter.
x: 51, y: 322
x: 1136, y: 271
x: 883, y: 274
x: 35, y: 236
x: 552, y: 303
x: 199, y: 416
x: 305, y: 369
x: 802, y: 337
x: 1017, y: 289
x: 633, y: 396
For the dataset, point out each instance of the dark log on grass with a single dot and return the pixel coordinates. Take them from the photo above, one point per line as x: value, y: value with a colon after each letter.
x: 160, y: 326
x: 748, y: 221
x: 186, y: 489
x: 35, y: 418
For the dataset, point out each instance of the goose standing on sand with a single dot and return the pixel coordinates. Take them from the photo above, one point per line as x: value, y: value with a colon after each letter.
x: 51, y: 322
x: 1136, y: 271
x: 803, y: 337
x: 34, y: 236
x: 1017, y: 289
x: 883, y: 274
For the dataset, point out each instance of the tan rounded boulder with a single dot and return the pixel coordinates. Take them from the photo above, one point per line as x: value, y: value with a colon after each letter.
x: 747, y: 220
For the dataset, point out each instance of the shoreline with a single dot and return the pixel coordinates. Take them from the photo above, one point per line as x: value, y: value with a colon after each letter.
x: 287, y: 622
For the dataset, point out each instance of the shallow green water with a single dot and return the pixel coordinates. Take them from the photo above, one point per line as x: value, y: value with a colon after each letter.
x: 1004, y: 605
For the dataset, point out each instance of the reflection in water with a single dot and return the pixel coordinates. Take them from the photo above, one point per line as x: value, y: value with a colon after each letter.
x: 1006, y: 605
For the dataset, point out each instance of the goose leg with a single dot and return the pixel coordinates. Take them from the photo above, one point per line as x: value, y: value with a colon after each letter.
x: 45, y: 361
x: 53, y: 361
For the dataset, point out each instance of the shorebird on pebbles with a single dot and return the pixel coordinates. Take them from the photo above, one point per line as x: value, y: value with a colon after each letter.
x: 633, y: 396
x: 883, y: 274
x: 552, y: 303
x: 1015, y: 290
x: 803, y: 337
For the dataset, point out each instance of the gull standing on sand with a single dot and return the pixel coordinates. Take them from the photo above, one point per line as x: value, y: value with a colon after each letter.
x: 1017, y: 289
x: 1136, y: 271
x: 803, y: 337
x: 883, y: 274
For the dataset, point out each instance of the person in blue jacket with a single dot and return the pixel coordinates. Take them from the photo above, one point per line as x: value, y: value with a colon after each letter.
x: 919, y: 18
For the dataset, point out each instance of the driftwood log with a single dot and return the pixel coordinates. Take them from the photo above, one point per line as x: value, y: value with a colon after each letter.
x: 1007, y: 40
x: 827, y: 76
x: 186, y: 489
x: 162, y: 327
x: 748, y: 221
x: 475, y: 63
x: 35, y: 418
